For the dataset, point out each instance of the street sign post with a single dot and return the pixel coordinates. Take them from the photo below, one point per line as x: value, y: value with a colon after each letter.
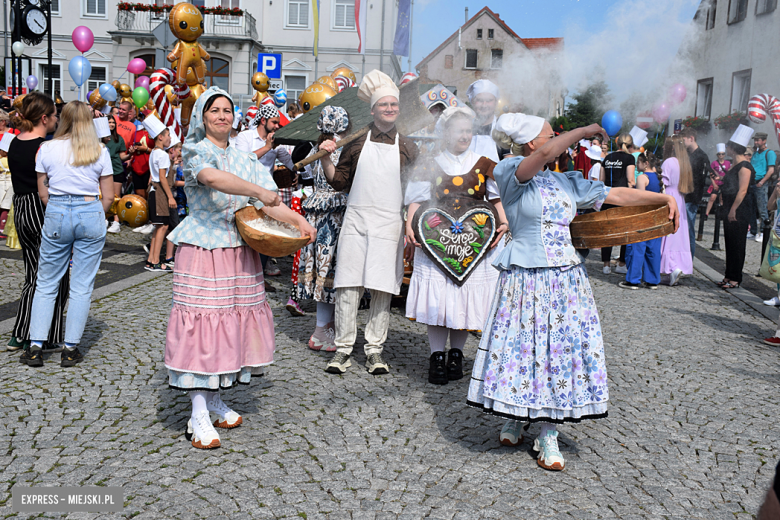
x: 270, y: 65
x: 164, y: 35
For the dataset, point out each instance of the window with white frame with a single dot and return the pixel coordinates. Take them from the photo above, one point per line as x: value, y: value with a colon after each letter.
x: 95, y: 7
x: 471, y: 58
x: 704, y: 98
x: 740, y: 90
x: 56, y: 77
x: 97, y: 78
x: 298, y: 13
x: 55, y: 7
x: 737, y: 10
x: 344, y: 14
x: 295, y: 85
x: 765, y: 6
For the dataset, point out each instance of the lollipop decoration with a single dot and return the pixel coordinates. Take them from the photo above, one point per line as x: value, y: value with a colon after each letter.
x: 406, y: 78
x: 762, y: 104
x: 343, y: 82
x: 159, y: 80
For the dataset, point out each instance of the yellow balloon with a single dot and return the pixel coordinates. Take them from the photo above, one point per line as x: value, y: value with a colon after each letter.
x: 315, y: 95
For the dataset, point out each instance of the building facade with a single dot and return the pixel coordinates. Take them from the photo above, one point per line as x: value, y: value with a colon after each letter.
x: 234, y: 42
x: 485, y: 47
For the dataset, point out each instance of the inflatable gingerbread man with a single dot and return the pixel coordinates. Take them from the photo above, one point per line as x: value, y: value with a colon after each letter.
x: 186, y: 23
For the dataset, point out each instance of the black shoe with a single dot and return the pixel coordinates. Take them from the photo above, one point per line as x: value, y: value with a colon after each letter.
x: 437, y: 370
x: 70, y: 357
x: 32, y: 358
x: 454, y: 364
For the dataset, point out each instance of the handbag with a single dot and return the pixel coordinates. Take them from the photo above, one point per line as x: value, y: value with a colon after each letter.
x: 770, y: 265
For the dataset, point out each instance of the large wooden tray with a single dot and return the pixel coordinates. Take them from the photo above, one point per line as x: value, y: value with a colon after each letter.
x: 264, y: 243
x: 620, y: 226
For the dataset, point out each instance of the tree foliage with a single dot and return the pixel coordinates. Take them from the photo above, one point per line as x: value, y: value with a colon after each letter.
x: 588, y: 105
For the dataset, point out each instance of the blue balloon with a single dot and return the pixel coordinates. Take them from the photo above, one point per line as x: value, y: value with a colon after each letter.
x: 612, y: 122
x: 107, y: 92
x: 80, y: 69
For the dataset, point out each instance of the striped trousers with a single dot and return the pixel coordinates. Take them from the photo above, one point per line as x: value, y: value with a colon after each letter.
x: 28, y: 219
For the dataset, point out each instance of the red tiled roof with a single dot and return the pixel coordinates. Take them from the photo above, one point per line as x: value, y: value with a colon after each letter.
x: 530, y: 43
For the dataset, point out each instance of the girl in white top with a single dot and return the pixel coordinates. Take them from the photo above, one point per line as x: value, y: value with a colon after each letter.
x: 73, y: 170
x: 161, y: 201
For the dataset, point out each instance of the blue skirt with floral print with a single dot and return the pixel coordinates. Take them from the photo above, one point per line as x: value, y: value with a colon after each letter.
x: 541, y: 357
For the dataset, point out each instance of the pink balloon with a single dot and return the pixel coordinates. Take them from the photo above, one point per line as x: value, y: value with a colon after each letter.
x: 677, y: 93
x: 83, y: 38
x: 136, y: 66
x: 142, y: 81
x: 661, y: 112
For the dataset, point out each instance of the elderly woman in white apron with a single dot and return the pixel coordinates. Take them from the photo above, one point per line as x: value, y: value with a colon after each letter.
x: 370, y: 249
x: 483, y: 95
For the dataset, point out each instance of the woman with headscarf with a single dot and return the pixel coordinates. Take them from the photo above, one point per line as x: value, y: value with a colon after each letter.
x: 541, y: 358
x: 325, y: 212
x: 451, y: 310
x: 220, y: 330
x: 483, y: 95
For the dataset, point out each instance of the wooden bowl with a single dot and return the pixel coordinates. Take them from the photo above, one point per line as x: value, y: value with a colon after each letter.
x: 620, y: 226
x: 265, y: 243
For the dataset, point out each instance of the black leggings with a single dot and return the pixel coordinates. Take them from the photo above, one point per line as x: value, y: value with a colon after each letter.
x: 606, y: 254
x: 735, y: 236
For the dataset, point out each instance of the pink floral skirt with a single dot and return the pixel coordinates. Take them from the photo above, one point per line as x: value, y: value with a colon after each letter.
x: 221, y: 330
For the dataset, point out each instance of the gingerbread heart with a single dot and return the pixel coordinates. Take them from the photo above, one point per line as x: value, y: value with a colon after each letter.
x: 456, y: 237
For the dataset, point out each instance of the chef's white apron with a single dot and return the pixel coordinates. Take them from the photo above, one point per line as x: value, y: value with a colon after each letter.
x: 485, y: 145
x: 370, y: 250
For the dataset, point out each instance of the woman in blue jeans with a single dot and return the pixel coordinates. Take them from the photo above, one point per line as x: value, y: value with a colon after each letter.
x: 73, y: 169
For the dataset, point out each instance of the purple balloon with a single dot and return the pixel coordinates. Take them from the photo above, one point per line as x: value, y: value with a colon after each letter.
x: 661, y: 112
x: 142, y: 81
x: 677, y: 93
x: 83, y: 38
x: 89, y: 94
x: 32, y: 82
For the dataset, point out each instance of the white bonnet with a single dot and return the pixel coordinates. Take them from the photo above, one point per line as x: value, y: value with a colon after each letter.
x: 521, y: 128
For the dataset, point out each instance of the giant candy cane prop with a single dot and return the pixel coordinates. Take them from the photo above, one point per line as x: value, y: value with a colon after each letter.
x: 761, y: 104
x: 160, y: 78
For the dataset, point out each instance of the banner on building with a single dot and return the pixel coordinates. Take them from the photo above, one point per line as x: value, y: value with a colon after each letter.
x: 401, y: 42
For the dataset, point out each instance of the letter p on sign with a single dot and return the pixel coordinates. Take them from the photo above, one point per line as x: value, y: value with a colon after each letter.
x: 270, y: 65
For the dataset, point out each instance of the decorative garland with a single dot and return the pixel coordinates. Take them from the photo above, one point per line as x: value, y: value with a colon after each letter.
x: 223, y: 11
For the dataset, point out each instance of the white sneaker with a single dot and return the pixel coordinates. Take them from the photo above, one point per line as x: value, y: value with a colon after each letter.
x: 674, y: 277
x: 750, y: 235
x: 773, y: 302
x: 621, y: 269
x: 549, y: 455
x: 226, y: 418
x: 760, y: 237
x: 139, y: 229
x: 606, y: 270
x: 147, y: 228
x: 114, y: 227
x: 511, y: 434
x: 202, y: 432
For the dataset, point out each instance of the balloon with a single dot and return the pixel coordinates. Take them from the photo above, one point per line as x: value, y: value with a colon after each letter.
x: 677, y: 93
x: 80, y: 69
x: 142, y: 81
x: 83, y: 38
x: 140, y: 97
x: 661, y: 112
x: 280, y: 98
x: 89, y: 94
x: 32, y: 82
x: 136, y: 66
x: 107, y: 92
x: 18, y: 48
x: 612, y: 122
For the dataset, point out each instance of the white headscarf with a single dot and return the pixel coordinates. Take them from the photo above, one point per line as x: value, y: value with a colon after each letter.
x: 520, y: 128
x: 480, y: 86
x: 197, y: 132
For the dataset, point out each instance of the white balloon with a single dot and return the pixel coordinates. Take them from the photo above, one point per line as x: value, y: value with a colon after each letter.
x: 18, y: 48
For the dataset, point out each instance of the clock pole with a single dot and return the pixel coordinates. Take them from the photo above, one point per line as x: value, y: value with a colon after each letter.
x: 50, y: 90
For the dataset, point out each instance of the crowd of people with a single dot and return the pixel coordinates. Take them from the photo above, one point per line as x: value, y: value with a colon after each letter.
x: 541, y: 356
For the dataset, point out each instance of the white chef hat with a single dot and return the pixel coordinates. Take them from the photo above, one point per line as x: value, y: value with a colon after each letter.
x: 594, y: 152
x: 639, y: 136
x: 480, y: 86
x: 5, y: 142
x: 719, y: 148
x: 174, y: 138
x: 451, y: 112
x: 101, y: 127
x: 742, y: 135
x: 520, y: 128
x: 376, y: 85
x: 154, y: 126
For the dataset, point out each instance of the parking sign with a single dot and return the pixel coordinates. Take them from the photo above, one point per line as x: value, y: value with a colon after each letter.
x: 270, y: 65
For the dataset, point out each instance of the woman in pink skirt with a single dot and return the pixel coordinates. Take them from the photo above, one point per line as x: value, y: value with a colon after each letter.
x: 221, y: 330
x: 678, y: 181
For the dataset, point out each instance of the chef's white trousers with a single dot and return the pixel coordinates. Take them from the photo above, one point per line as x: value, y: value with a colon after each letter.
x: 347, y: 303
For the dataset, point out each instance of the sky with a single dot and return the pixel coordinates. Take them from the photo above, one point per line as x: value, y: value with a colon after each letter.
x: 645, y: 32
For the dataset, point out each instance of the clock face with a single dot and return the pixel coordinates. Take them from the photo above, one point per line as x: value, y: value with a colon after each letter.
x: 36, y: 21
x: 34, y: 2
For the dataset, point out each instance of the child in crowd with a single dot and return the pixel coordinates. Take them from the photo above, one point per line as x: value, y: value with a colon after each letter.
x: 720, y: 166
x: 174, y: 154
x: 160, y: 197
x: 118, y: 153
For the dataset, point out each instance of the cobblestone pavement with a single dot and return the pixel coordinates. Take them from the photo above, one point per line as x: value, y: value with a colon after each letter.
x: 692, y: 429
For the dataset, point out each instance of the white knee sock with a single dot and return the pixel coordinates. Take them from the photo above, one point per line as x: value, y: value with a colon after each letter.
x: 546, y: 427
x: 325, y: 313
x: 198, y: 399
x: 437, y: 336
x: 458, y: 338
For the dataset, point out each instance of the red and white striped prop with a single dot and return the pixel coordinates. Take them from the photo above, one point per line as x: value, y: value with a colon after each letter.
x: 343, y: 82
x: 406, y: 78
x: 249, y: 118
x: 762, y: 104
x: 159, y: 79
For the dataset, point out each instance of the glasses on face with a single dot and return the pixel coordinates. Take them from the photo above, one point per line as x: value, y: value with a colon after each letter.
x: 385, y: 106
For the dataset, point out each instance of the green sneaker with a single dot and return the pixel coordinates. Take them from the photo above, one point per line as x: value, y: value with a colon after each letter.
x: 14, y: 344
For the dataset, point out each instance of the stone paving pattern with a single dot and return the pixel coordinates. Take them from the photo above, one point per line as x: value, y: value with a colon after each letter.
x: 692, y: 430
